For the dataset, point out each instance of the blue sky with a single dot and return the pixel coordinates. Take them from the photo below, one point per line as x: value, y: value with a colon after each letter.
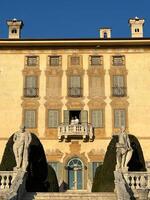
x: 73, y: 18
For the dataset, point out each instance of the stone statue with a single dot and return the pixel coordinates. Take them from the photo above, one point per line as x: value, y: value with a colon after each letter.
x: 22, y: 140
x: 123, y: 150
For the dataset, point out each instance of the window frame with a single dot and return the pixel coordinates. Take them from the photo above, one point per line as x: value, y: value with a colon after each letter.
x: 120, y: 120
x: 24, y: 118
x: 103, y: 117
x: 32, y: 63
x: 97, y: 64
x: 59, y: 59
x: 116, y: 63
x: 36, y: 88
x: 58, y: 118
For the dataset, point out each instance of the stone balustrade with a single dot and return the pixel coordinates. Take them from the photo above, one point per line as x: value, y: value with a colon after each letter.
x: 137, y: 180
x: 139, y: 184
x: 66, y: 131
x: 6, y: 179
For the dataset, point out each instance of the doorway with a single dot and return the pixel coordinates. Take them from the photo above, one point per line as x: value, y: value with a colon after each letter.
x: 75, y: 174
x: 73, y: 114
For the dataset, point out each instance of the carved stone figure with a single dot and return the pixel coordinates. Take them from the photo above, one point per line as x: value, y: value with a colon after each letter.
x: 22, y: 139
x: 123, y: 151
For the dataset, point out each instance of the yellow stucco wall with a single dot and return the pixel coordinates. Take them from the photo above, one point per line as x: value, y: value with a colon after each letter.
x: 138, y: 87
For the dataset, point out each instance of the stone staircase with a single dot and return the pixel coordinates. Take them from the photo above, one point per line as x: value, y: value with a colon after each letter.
x: 70, y: 196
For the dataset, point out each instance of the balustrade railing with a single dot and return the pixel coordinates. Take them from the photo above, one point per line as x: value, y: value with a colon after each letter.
x: 83, y: 130
x: 6, y: 179
x: 12, y: 184
x: 137, y: 180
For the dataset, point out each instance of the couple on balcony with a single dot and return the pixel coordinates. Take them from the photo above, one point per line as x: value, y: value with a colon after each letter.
x: 74, y: 121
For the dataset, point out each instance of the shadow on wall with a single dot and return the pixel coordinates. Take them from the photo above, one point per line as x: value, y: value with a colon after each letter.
x: 104, y: 176
x: 41, y: 176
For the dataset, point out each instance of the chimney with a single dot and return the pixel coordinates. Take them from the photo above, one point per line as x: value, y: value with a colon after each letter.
x: 105, y: 33
x: 136, y: 26
x: 14, y: 28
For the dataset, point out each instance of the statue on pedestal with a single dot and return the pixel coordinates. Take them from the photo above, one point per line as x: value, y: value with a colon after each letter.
x: 22, y: 140
x: 123, y: 150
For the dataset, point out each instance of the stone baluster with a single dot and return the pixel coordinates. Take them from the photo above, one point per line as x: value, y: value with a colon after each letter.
x: 2, y: 182
x: 137, y: 182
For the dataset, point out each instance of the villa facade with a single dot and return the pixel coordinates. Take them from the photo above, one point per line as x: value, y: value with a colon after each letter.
x: 48, y: 84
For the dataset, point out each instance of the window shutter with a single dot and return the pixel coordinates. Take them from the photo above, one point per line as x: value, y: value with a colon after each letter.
x: 97, y: 118
x: 117, y: 124
x: 74, y: 81
x: 66, y: 116
x: 30, y: 119
x: 123, y: 118
x: 118, y: 81
x: 52, y: 118
x: 120, y: 118
x: 31, y: 81
x: 90, y: 172
x: 84, y: 116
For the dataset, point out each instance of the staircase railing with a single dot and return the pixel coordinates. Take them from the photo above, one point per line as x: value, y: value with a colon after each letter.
x: 12, y: 184
x: 132, y: 185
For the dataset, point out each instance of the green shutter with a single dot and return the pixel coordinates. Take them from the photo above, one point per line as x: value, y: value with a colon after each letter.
x: 97, y: 118
x: 52, y: 118
x: 123, y: 118
x: 116, y: 119
x: 30, y: 118
x: 120, y: 118
x: 90, y: 172
x: 59, y: 172
x: 84, y: 116
x: 66, y: 116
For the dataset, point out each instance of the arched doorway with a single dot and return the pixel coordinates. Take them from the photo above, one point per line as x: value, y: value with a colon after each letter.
x: 75, y: 174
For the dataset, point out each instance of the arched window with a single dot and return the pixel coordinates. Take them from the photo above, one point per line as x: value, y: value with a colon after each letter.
x: 75, y: 174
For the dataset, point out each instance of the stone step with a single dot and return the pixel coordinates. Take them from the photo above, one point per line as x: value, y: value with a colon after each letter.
x: 70, y: 196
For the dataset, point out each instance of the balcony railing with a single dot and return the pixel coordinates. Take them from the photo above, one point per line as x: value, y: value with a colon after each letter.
x: 119, y: 91
x: 84, y: 131
x: 75, y: 92
x: 31, y: 92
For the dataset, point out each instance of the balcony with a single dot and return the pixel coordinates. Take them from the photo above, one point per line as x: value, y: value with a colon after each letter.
x: 31, y: 92
x: 75, y: 92
x: 84, y: 131
x: 119, y: 91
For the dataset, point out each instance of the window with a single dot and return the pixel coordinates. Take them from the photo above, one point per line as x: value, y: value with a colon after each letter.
x: 54, y: 60
x: 94, y: 166
x: 118, y: 60
x: 105, y: 35
x: 14, y: 31
x: 75, y: 60
x: 118, y: 89
x: 119, y: 118
x: 75, y: 89
x: 54, y: 165
x: 96, y: 60
x: 32, y: 61
x: 31, y: 89
x: 53, y: 118
x: 137, y: 30
x: 97, y: 118
x: 30, y: 118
